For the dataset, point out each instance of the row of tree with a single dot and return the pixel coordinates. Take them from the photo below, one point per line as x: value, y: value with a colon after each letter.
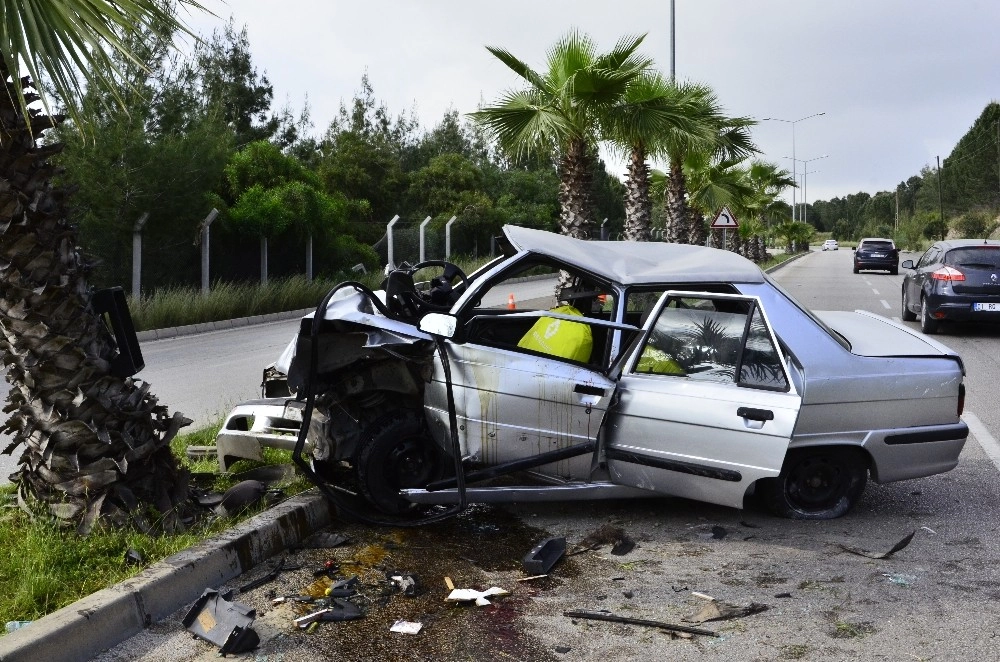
x: 962, y: 197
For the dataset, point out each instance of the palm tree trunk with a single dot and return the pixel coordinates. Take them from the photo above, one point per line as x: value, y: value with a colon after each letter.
x: 696, y: 227
x: 677, y: 209
x: 94, y: 445
x: 576, y: 217
x: 638, y: 204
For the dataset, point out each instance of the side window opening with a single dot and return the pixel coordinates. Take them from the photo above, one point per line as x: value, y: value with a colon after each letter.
x: 718, y: 340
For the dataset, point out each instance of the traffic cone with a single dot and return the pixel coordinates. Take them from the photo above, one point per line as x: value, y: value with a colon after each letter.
x: 510, y: 302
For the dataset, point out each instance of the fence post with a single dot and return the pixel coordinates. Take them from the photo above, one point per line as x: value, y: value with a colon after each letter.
x: 388, y: 235
x: 447, y: 238
x: 137, y: 254
x: 604, y: 230
x: 423, y: 226
x: 204, y: 248
x: 263, y: 260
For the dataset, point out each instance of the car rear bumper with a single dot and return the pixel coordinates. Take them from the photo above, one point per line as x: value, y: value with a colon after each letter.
x: 916, y: 452
x: 885, y: 265
x: 958, y: 308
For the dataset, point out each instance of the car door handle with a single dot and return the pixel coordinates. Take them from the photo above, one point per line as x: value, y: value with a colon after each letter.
x: 755, y: 414
x: 587, y: 389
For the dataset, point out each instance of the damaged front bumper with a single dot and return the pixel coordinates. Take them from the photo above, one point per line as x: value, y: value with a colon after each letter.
x: 271, y: 423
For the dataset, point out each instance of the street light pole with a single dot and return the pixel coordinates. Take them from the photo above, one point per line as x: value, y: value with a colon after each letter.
x: 805, y: 195
x: 793, y: 123
x: 805, y: 198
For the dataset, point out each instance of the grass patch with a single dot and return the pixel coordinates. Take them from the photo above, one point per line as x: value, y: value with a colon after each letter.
x: 44, y: 567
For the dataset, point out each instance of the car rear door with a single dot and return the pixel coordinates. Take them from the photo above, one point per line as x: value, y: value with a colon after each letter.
x: 705, y: 405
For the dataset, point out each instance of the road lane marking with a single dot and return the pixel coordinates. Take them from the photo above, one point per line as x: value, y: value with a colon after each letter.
x: 886, y: 304
x: 875, y: 291
x: 983, y: 436
x: 896, y: 319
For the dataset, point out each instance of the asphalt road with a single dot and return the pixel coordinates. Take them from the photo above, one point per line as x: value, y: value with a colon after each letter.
x: 936, y: 599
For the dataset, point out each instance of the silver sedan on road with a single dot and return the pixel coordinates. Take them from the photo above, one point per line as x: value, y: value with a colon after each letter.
x: 651, y: 369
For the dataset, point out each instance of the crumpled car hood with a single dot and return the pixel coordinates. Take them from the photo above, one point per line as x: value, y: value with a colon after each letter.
x: 352, y: 329
x: 875, y: 335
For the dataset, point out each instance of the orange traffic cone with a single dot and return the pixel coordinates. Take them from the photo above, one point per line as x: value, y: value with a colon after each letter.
x: 510, y: 302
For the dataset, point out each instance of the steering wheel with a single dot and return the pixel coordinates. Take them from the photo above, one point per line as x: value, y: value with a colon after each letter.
x: 406, y: 302
x: 442, y: 294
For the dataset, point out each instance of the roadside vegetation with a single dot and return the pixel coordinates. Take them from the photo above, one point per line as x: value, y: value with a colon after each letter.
x: 45, y: 566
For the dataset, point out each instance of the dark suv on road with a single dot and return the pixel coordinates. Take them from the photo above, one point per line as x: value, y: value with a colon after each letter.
x: 954, y: 280
x: 876, y: 253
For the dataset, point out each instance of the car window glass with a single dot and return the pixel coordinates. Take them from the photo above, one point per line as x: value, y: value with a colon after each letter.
x: 976, y: 257
x: 929, y: 257
x: 709, y: 340
x: 878, y: 246
x: 489, y: 319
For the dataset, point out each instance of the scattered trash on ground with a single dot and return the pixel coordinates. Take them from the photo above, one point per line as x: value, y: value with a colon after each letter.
x: 543, y: 556
x: 133, y: 557
x: 719, y: 532
x: 406, y: 627
x: 900, y: 580
x: 929, y: 530
x: 326, y: 540
x: 223, y: 623
x: 15, y: 625
x: 603, y: 616
x: 531, y: 578
x: 723, y: 611
x: 875, y: 555
x: 480, y: 597
x: 336, y: 610
x: 605, y: 535
x: 782, y: 595
x: 281, y: 566
x: 239, y: 497
x: 405, y: 582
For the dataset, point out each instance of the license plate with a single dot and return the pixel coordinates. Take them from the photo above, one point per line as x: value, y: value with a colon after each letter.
x: 987, y: 307
x: 878, y: 254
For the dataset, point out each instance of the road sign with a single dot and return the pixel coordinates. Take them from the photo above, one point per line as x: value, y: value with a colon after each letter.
x: 725, y: 219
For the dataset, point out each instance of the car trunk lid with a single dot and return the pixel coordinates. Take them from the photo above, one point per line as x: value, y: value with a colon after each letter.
x: 874, y: 335
x: 981, y: 267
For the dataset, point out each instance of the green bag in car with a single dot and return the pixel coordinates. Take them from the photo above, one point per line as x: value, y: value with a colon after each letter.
x: 569, y: 340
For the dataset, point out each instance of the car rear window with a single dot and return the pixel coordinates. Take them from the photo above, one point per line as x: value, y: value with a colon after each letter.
x: 982, y: 257
x: 878, y: 246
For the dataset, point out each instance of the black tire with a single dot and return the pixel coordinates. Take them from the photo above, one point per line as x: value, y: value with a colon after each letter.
x: 906, y: 314
x: 928, y: 324
x: 396, y: 453
x: 894, y: 271
x: 816, y: 483
x: 855, y: 268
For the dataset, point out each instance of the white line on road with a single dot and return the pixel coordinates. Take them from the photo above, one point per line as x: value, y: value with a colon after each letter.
x: 983, y: 436
x: 896, y: 319
x: 886, y: 304
x: 875, y: 291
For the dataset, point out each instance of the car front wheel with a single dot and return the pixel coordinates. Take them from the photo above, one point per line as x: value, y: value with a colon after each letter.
x: 907, y: 315
x: 928, y: 324
x: 816, y: 483
x: 396, y: 453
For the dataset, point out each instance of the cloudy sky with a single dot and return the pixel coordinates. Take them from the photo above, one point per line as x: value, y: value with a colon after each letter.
x: 899, y: 81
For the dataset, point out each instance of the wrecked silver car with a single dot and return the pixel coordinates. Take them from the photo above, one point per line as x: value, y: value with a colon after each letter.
x: 572, y: 369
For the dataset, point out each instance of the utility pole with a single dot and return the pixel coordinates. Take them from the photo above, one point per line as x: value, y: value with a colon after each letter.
x: 673, y: 45
x: 895, y: 225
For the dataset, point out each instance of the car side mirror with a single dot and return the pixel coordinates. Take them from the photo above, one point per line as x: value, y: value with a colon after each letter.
x: 907, y: 264
x: 439, y: 324
x: 854, y: 248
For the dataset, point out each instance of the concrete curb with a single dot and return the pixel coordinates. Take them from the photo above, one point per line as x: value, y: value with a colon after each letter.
x: 206, y: 327
x: 108, y: 617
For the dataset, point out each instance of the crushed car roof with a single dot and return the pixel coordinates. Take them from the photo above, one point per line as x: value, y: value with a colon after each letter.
x: 636, y: 263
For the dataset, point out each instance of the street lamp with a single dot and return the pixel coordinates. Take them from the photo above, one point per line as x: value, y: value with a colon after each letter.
x: 805, y: 191
x: 805, y: 194
x: 793, y: 123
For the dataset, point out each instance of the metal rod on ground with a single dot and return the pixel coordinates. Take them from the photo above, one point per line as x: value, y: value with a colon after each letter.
x: 137, y: 254
x: 611, y: 618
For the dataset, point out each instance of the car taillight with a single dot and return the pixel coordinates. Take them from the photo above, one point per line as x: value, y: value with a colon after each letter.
x: 961, y: 399
x: 948, y: 273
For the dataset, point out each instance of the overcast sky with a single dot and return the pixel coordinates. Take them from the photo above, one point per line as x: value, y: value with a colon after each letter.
x: 899, y: 81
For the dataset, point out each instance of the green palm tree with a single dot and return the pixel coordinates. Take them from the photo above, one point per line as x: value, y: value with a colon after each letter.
x: 651, y: 109
x: 559, y: 113
x: 95, y: 445
x: 729, y: 140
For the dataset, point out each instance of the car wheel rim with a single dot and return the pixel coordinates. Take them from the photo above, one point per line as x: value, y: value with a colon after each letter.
x: 817, y: 484
x: 409, y: 464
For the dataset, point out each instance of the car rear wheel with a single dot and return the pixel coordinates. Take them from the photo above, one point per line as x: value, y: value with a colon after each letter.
x: 928, y: 324
x: 894, y: 271
x: 396, y: 453
x: 855, y: 268
x: 907, y: 315
x: 816, y: 483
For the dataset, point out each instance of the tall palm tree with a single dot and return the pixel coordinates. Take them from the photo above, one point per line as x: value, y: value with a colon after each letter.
x: 729, y: 140
x: 95, y: 445
x: 558, y: 113
x: 651, y: 108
